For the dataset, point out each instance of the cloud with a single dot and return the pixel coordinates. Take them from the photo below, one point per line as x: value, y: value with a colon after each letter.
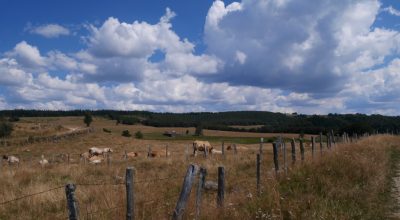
x: 27, y: 55
x: 295, y: 47
x: 50, y: 30
x: 392, y: 11
x: 277, y: 55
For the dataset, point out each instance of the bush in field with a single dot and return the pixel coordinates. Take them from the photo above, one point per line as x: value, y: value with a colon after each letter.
x: 106, y: 130
x: 138, y: 135
x: 126, y: 133
x: 87, y: 119
x: 6, y: 129
x: 199, y: 130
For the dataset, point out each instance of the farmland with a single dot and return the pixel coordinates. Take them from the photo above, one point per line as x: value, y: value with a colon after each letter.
x: 341, y: 183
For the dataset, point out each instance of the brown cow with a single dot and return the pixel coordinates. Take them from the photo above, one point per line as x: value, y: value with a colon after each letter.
x: 158, y: 153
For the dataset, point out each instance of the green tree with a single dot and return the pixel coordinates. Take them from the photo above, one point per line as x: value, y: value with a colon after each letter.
x: 126, y: 133
x: 87, y: 119
x: 139, y: 135
x: 6, y: 129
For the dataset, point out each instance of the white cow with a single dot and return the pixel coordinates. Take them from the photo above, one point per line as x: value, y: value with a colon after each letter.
x: 201, y: 146
x: 95, y: 151
x: 43, y: 161
x: 11, y: 159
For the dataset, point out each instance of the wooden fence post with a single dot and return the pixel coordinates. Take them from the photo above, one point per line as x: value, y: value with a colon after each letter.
x: 312, y: 146
x: 234, y: 149
x: 108, y: 159
x: 276, y: 162
x: 73, y: 212
x: 258, y: 163
x: 148, y: 151
x: 185, y: 192
x: 302, y: 149
x: 320, y: 142
x: 187, y: 153
x: 293, y: 151
x: 166, y: 151
x: 126, y: 155
x: 68, y: 159
x: 130, y: 196
x: 261, y: 147
x: 284, y: 157
x: 223, y: 150
x: 202, y: 180
x: 221, y: 187
x: 205, y: 152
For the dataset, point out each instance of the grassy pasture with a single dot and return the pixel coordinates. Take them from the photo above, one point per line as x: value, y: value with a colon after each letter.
x: 350, y: 182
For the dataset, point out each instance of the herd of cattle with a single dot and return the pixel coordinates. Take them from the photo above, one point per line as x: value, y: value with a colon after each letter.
x: 96, y: 155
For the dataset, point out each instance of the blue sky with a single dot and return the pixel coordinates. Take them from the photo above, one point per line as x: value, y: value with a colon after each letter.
x: 181, y: 56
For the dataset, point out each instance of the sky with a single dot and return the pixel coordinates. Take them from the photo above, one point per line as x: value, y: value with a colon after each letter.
x: 311, y: 57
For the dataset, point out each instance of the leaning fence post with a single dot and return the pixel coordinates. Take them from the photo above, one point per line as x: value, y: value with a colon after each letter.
x: 166, y: 151
x: 108, y: 159
x: 185, y: 192
x: 258, y: 163
x: 293, y: 151
x: 125, y: 155
x: 73, y: 212
x: 202, y: 179
x: 302, y: 149
x: 221, y: 187
x: 276, y: 162
x: 68, y: 158
x: 148, y: 151
x: 130, y: 196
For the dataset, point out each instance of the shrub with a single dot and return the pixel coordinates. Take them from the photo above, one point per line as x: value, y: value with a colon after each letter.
x: 106, y: 130
x: 126, y: 133
x: 139, y: 135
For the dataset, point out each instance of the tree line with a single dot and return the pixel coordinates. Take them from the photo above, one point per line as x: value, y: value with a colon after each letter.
x: 268, y: 121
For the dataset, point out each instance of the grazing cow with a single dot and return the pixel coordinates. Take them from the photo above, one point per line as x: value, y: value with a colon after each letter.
x: 213, y: 151
x: 158, y: 153
x: 131, y: 155
x: 201, y: 146
x: 43, y: 161
x: 95, y: 160
x: 11, y: 159
x: 95, y: 151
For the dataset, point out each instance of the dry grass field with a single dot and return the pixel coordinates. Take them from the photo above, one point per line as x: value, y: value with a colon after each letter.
x: 348, y: 182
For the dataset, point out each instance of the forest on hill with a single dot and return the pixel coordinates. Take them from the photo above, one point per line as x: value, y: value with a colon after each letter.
x: 268, y: 121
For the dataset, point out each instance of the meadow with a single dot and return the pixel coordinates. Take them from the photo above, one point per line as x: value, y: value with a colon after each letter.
x: 349, y: 181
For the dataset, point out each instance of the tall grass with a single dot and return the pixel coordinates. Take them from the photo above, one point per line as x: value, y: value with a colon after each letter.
x: 349, y: 182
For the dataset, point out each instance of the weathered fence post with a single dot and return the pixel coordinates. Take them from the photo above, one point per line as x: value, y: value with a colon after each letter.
x: 302, y: 149
x: 221, y: 187
x: 202, y: 179
x: 166, y: 151
x: 320, y: 142
x: 293, y: 151
x: 130, y: 196
x: 234, y: 149
x: 108, y: 159
x: 312, y: 146
x: 148, y: 151
x: 276, y: 162
x: 284, y: 157
x: 187, y: 153
x: 261, y: 147
x: 205, y: 152
x: 68, y: 160
x: 223, y: 149
x: 185, y: 192
x: 73, y: 212
x: 258, y: 163
x: 125, y: 155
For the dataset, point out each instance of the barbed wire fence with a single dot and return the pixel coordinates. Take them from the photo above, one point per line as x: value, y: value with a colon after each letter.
x: 279, y: 154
